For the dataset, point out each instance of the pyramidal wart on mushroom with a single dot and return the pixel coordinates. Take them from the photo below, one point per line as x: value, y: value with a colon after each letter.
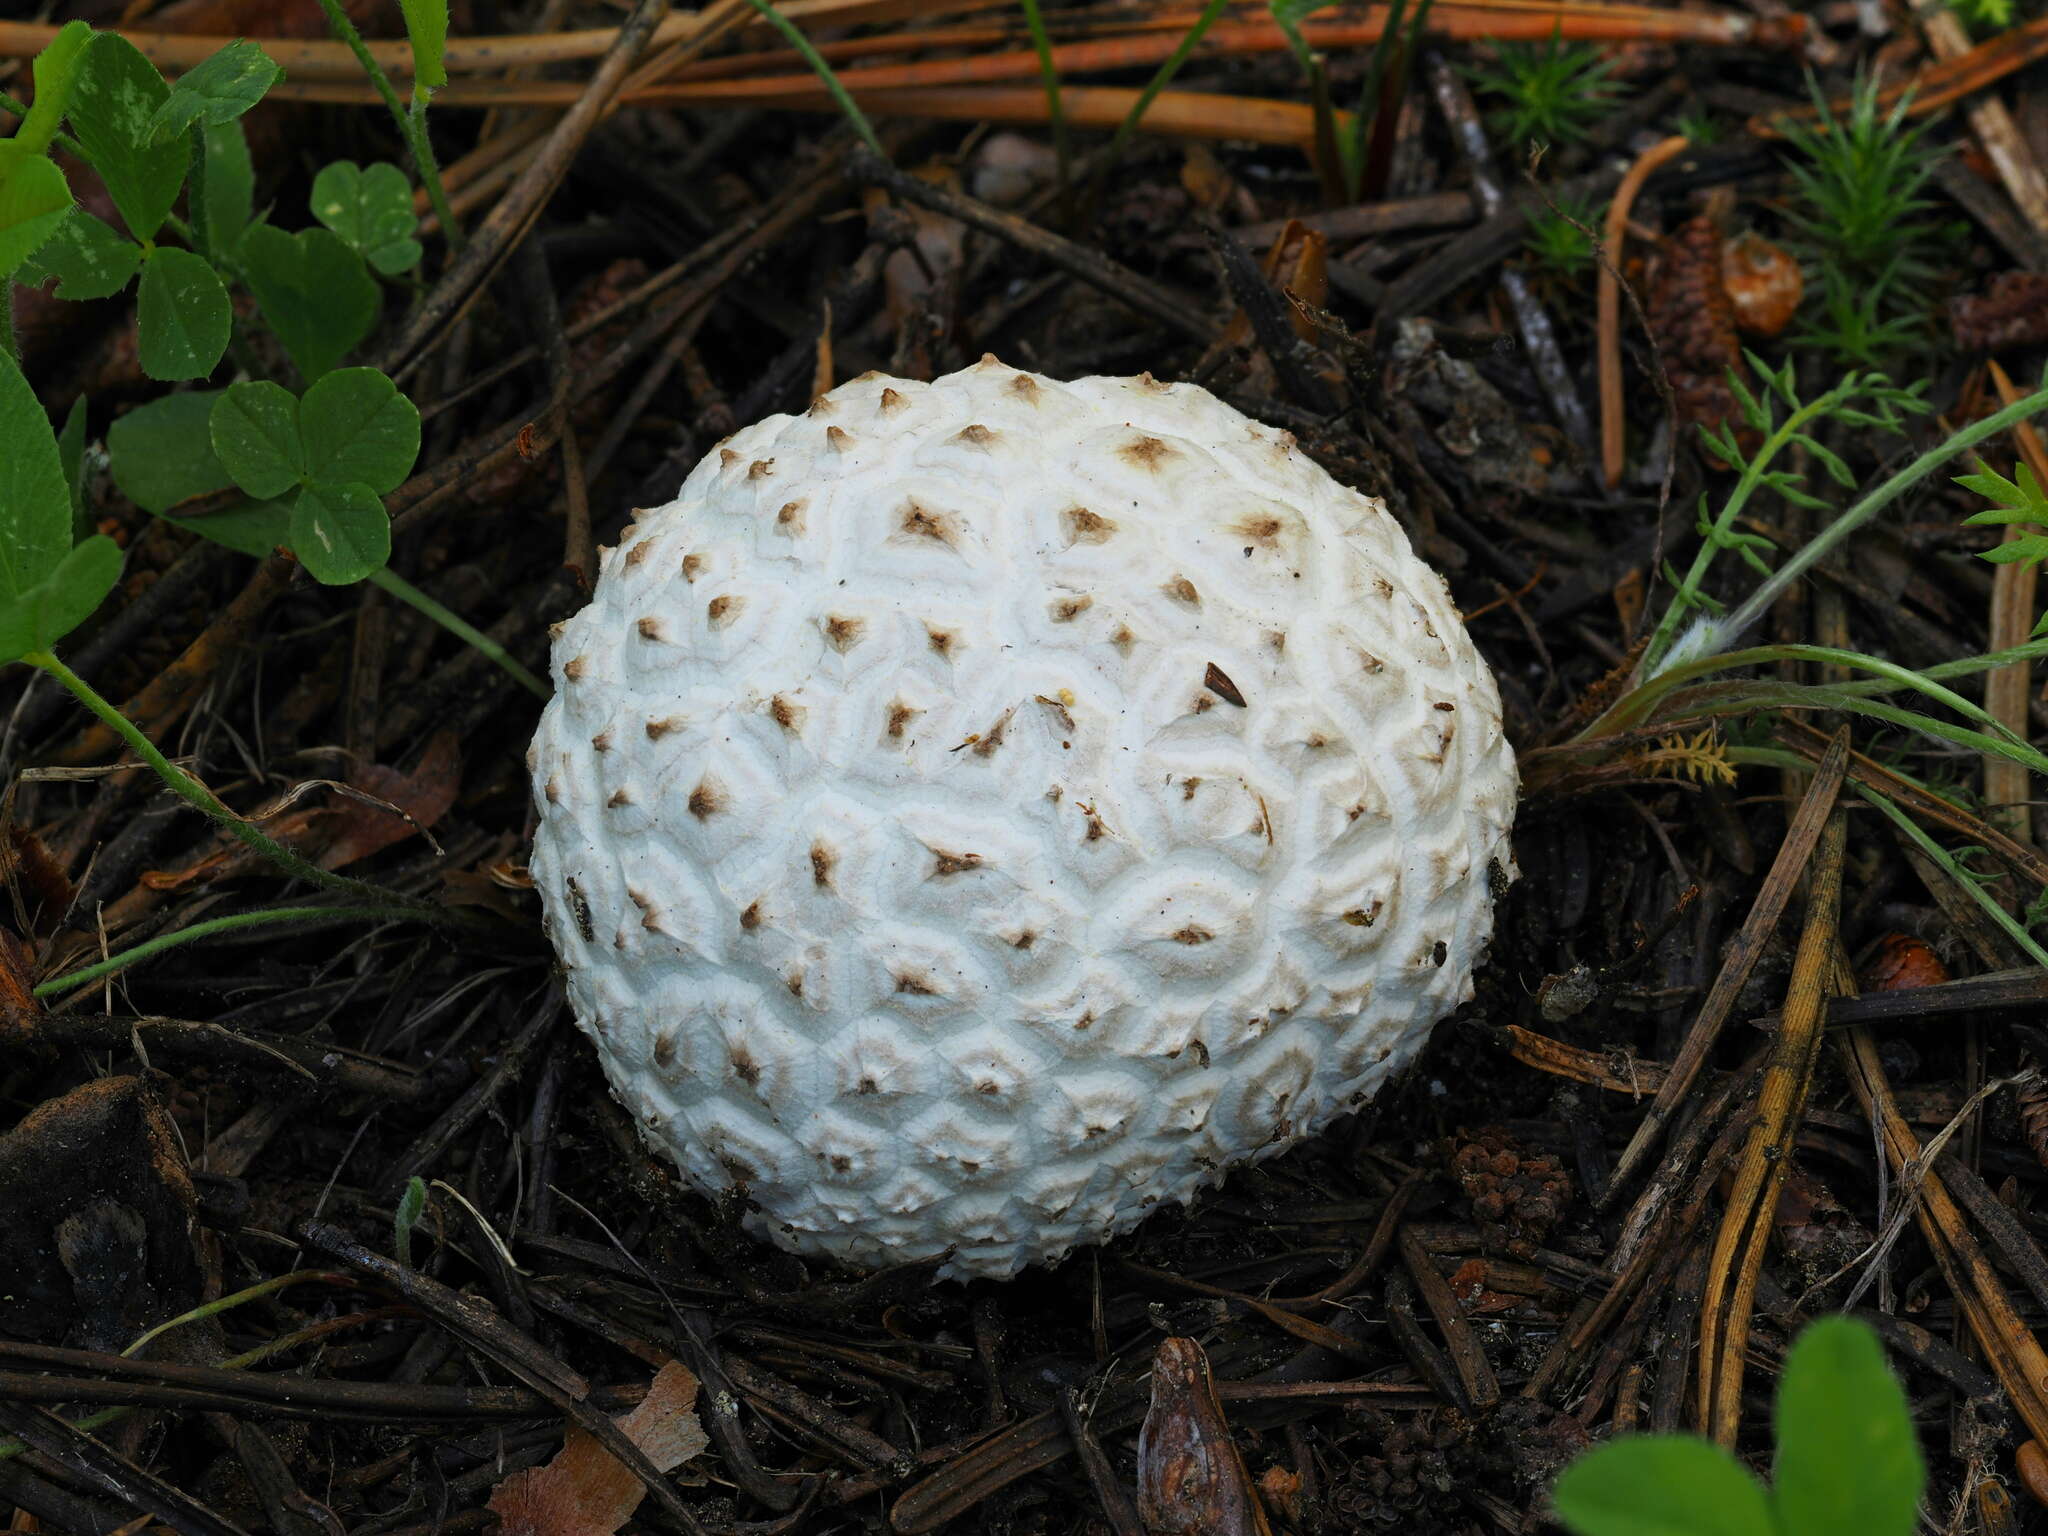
x: 975, y: 814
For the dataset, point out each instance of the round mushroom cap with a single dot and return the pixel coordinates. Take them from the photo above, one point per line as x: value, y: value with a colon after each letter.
x: 974, y: 814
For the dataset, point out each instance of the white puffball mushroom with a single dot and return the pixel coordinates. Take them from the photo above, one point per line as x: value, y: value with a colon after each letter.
x: 975, y: 814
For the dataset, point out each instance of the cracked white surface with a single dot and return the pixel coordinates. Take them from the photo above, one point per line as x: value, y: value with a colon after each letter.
x: 913, y: 859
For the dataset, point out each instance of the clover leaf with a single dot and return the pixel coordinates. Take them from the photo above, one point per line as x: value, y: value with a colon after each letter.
x: 1847, y: 1464
x: 161, y: 454
x: 227, y: 191
x: 329, y: 458
x: 48, y: 585
x: 255, y: 429
x: 356, y: 426
x: 182, y: 315
x: 113, y: 101
x: 219, y: 89
x: 314, y: 290
x: 89, y: 258
x: 371, y: 210
x: 341, y: 533
x: 34, y: 198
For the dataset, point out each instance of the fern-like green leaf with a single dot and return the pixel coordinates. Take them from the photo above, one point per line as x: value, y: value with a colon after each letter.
x: 2018, y: 500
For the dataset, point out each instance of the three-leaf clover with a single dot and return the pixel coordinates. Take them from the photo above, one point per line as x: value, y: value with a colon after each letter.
x: 371, y: 210
x: 132, y: 127
x: 1846, y: 1464
x: 48, y: 585
x: 328, y: 458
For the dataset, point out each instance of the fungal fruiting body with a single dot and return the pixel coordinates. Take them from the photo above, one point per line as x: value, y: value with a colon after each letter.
x: 975, y: 814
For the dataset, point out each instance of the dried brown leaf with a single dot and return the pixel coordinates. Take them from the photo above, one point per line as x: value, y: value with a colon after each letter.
x: 424, y: 795
x: 585, y: 1491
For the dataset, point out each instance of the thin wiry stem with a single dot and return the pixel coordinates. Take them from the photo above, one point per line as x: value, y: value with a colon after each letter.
x: 413, y: 125
x: 87, y: 974
x: 198, y: 796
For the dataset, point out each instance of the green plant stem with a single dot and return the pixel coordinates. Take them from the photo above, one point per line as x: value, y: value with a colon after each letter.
x: 10, y: 1448
x: 1708, y: 636
x: 460, y: 627
x: 1754, y: 606
x: 1947, y: 861
x: 197, y: 795
x: 1685, y: 599
x: 841, y: 97
x: 1162, y: 78
x: 430, y: 168
x: 1041, y: 40
x: 1640, y: 702
x: 63, y: 141
x: 1967, y: 666
x: 412, y: 125
x: 256, y: 1292
x: 149, y: 948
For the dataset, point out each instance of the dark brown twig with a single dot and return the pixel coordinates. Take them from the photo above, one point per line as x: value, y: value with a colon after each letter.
x: 1743, y: 953
x: 494, y: 239
x: 1148, y: 298
x: 110, y: 1471
x: 482, y: 1329
x: 1116, y: 1505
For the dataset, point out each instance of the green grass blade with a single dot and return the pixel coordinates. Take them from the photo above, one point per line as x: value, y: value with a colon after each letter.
x: 1041, y: 40
x: 99, y: 970
x: 1161, y: 78
x: 1955, y: 872
x: 459, y: 627
x: 841, y: 97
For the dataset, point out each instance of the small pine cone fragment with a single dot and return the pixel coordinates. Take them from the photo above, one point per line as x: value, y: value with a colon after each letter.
x: 2012, y: 313
x: 1693, y: 319
x: 1412, y: 1466
x: 1525, y: 1192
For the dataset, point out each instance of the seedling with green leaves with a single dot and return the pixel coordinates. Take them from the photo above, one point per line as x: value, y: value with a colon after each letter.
x: 2018, y: 500
x: 315, y: 464
x: 1781, y: 420
x: 1551, y: 92
x: 50, y: 584
x: 1847, y: 1463
x: 1859, y: 223
x: 1385, y: 79
x: 1684, y: 671
x: 1561, y: 240
x: 154, y: 142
